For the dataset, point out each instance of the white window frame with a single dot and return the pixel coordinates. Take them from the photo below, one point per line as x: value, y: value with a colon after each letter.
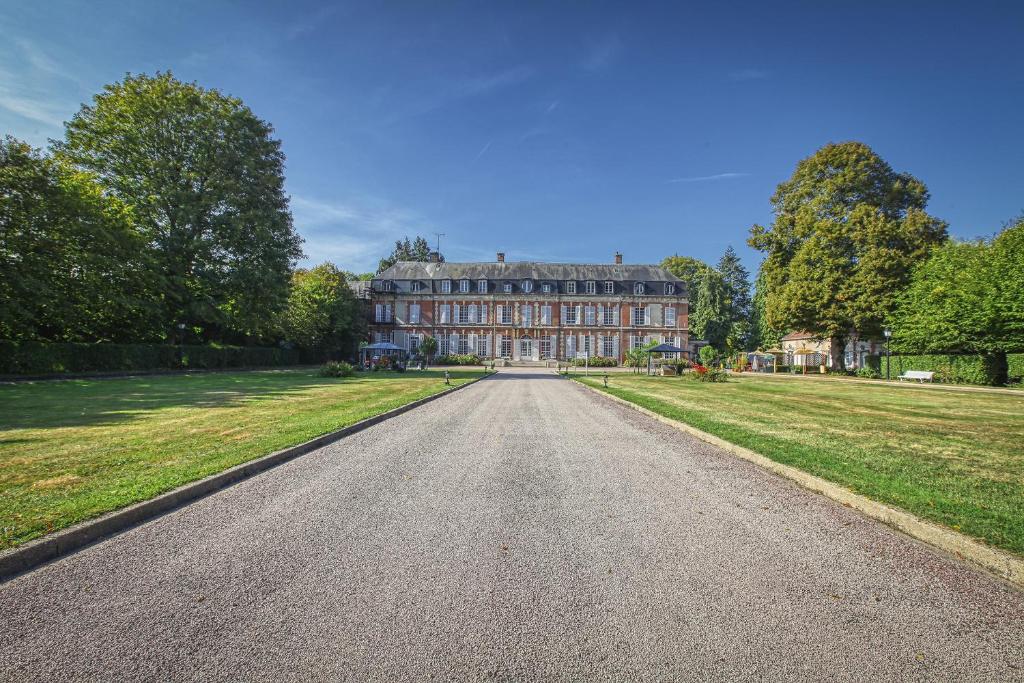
x: 545, y: 314
x: 508, y: 287
x: 414, y: 313
x: 481, y: 286
x: 416, y: 287
x: 608, y: 318
x: 546, y: 288
x: 571, y: 317
x: 590, y: 315
x: 545, y: 347
x: 506, y: 315
x: 638, y: 288
x: 446, y: 286
x: 383, y: 313
x: 505, y: 349
x: 608, y: 346
x: 670, y: 288
x: 464, y: 286
x: 570, y: 287
x: 637, y: 317
x: 609, y: 287
x: 591, y: 287
x: 526, y: 315
x: 481, y: 345
x: 463, y: 318
x: 527, y: 286
x: 636, y: 341
x: 670, y: 316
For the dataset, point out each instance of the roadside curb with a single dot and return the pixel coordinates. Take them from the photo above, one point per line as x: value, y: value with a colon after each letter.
x: 66, y: 541
x: 998, y: 562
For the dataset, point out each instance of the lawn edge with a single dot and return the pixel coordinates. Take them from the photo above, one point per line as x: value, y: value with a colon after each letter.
x: 40, y: 551
x: 999, y: 562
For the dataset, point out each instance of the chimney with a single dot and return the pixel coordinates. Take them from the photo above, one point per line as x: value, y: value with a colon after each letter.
x: 618, y: 258
x: 435, y: 257
x: 501, y: 257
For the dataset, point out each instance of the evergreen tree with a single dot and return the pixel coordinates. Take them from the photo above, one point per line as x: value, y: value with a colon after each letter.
x: 710, y: 319
x: 416, y: 250
x: 736, y: 284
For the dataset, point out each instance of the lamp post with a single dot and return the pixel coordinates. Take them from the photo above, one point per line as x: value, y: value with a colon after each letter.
x: 888, y: 333
x: 181, y: 342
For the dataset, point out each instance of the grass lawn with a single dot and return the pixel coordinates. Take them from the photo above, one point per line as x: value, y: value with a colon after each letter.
x: 73, y: 450
x: 953, y: 457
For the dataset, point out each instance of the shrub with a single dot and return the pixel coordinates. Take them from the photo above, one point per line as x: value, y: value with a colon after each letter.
x: 1015, y: 369
x: 334, y: 368
x: 703, y: 373
x: 868, y: 373
x: 458, y: 359
x: 596, y: 362
x: 707, y: 355
x: 948, y: 368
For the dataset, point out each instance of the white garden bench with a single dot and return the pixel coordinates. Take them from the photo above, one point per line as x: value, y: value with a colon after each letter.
x: 919, y: 375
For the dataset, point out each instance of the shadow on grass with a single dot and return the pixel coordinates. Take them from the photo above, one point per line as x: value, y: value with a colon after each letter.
x: 80, y: 403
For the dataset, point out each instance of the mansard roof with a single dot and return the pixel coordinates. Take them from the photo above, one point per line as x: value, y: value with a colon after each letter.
x: 525, y: 270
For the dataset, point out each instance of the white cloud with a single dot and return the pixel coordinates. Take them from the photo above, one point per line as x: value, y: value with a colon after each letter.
x: 703, y: 178
x: 34, y: 87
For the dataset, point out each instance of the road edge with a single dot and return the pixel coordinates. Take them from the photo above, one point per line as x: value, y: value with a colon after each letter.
x: 40, y: 551
x: 998, y: 562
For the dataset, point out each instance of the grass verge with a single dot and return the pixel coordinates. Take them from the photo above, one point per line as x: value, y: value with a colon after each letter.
x: 952, y: 457
x: 73, y: 450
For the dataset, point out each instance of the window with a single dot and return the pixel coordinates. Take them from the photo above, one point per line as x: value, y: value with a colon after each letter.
x: 586, y: 344
x: 481, y: 286
x: 636, y: 342
x: 382, y: 313
x: 463, y: 344
x: 506, y: 346
x: 639, y: 315
x: 670, y: 317
x: 414, y: 343
x: 545, y: 347
x: 482, y: 344
x: 545, y: 315
x: 446, y: 315
x: 414, y: 313
x: 386, y: 285
x: 546, y: 288
x: 464, y: 286
x: 638, y: 288
x: 442, y: 345
x: 462, y: 314
x: 508, y: 287
x: 670, y: 289
x: 416, y: 287
x: 591, y: 287
x: 608, y: 347
x: 570, y: 287
x: 386, y: 337
x: 672, y: 341
x: 609, y: 287
x: 526, y: 315
x: 527, y: 285
x: 446, y: 286
x: 506, y: 314
x: 608, y: 318
x: 572, y: 315
x: 590, y: 315
x: 474, y: 314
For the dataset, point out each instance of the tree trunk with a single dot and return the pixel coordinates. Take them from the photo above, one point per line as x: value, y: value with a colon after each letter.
x: 997, y: 369
x: 838, y: 351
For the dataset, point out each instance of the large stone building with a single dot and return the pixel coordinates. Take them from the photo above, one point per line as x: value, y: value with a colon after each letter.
x: 528, y: 310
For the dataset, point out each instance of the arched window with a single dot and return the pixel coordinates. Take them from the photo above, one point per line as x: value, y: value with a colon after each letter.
x: 527, y: 285
x: 638, y: 288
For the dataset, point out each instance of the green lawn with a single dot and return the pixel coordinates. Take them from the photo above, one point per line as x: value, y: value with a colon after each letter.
x: 954, y: 457
x: 73, y: 450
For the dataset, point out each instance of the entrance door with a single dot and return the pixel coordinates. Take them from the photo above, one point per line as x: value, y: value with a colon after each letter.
x: 525, y: 348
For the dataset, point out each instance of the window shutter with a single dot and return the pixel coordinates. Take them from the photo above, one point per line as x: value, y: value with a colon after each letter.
x: 453, y: 343
x: 615, y: 346
x: 554, y: 346
x: 483, y: 313
x: 579, y: 316
x: 472, y: 343
x: 600, y: 314
x: 570, y: 346
x: 647, y: 315
x: 446, y: 314
x: 455, y: 313
x: 565, y: 314
x: 500, y: 314
x: 472, y: 313
x: 615, y: 315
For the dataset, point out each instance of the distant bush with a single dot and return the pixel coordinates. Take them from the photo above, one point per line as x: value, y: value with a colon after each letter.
x: 596, y: 362
x: 703, y: 373
x: 1015, y: 361
x: 45, y: 358
x: 458, y: 359
x: 333, y: 368
x: 948, y: 368
x: 868, y: 373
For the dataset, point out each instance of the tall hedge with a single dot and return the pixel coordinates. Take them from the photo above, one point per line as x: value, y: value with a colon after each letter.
x: 952, y: 368
x: 43, y: 358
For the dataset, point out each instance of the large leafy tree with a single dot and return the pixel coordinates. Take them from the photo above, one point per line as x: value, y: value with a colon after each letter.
x: 72, y: 266
x: 710, y: 319
x: 406, y: 250
x: 203, y: 177
x: 847, y: 231
x: 322, y: 312
x: 967, y: 297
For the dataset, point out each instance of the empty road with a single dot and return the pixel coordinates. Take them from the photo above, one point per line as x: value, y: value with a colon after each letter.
x: 520, y: 529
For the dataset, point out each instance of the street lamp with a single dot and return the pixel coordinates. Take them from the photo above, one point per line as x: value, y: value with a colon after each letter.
x: 181, y: 341
x: 888, y: 333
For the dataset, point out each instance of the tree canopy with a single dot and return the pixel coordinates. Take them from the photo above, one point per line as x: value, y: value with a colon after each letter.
x: 322, y: 311
x: 416, y: 250
x: 203, y: 178
x: 848, y: 230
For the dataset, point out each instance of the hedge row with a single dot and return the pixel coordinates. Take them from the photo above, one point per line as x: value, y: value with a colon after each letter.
x: 458, y: 359
x: 951, y: 369
x: 43, y: 358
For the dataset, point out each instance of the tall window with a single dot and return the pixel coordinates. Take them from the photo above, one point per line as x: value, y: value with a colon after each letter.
x: 572, y: 316
x: 526, y: 315
x: 386, y: 337
x: 463, y: 344
x: 670, y: 289
x: 609, y: 287
x: 545, y: 347
x: 591, y: 287
x: 506, y: 346
x: 608, y: 347
x: 636, y: 342
x: 638, y: 315
x: 545, y: 315
x: 481, y: 286
x: 442, y: 345
x: 414, y: 313
x: 527, y: 285
x: 506, y: 315
x: 464, y: 286
x: 638, y: 288
x: 463, y: 314
x: 670, y: 317
x: 609, y: 316
x: 414, y: 343
x: 446, y: 286
x: 590, y: 315
x: 481, y: 345
x: 382, y: 313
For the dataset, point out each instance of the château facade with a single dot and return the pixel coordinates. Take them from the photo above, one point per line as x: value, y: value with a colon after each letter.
x: 528, y: 310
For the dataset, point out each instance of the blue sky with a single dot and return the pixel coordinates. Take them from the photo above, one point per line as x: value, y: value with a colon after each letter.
x: 560, y: 131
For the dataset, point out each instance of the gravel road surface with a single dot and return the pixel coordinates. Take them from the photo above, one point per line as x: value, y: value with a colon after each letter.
x: 521, y: 529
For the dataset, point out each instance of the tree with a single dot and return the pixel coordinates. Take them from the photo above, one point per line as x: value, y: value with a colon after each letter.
x: 968, y: 297
x: 72, y: 266
x: 762, y: 335
x: 204, y: 180
x: 736, y: 285
x: 847, y: 231
x: 690, y: 270
x: 428, y: 347
x: 417, y: 250
x: 322, y: 312
x: 710, y: 320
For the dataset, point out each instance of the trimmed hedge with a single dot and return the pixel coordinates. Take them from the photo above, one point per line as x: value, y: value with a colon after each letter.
x: 45, y: 358
x: 951, y: 369
x: 458, y: 359
x: 596, y: 362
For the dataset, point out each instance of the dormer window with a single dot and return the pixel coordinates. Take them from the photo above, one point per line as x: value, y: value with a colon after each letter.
x: 609, y: 287
x: 591, y: 287
x: 638, y: 288
x: 481, y: 286
x: 386, y: 285
x: 446, y: 286
x: 570, y: 287
x: 416, y: 287
x: 546, y: 288
x: 527, y: 286
x: 507, y: 287
x: 464, y: 286
x: 670, y: 288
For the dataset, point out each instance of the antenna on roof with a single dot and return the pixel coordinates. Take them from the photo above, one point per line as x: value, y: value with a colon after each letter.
x: 439, y: 235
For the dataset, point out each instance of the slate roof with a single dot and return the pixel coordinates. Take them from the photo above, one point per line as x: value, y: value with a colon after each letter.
x: 525, y: 270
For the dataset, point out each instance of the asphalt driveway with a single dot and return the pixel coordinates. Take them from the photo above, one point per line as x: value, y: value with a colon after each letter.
x: 520, y: 529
